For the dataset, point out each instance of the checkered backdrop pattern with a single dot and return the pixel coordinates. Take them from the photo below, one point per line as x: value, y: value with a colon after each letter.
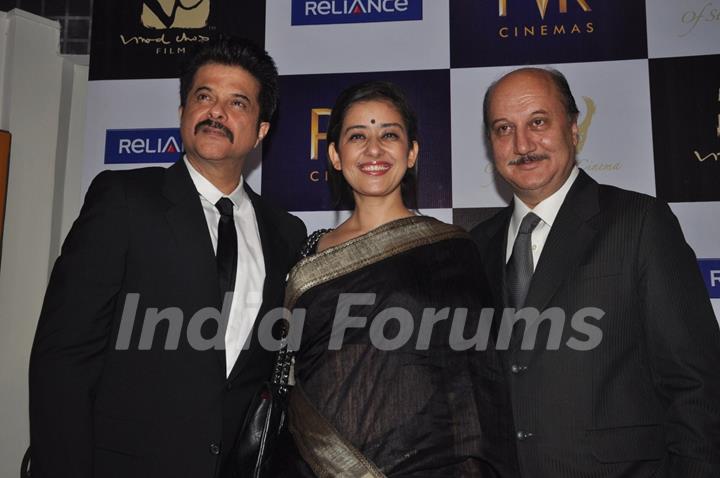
x: 645, y: 75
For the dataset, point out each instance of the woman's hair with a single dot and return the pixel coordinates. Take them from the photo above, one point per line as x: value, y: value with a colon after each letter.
x: 370, y: 91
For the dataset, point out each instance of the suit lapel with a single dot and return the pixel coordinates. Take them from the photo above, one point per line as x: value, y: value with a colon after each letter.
x: 570, y: 237
x: 495, y: 257
x: 189, y: 225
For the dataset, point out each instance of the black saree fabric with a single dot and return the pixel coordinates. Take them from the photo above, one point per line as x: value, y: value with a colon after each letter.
x: 416, y: 407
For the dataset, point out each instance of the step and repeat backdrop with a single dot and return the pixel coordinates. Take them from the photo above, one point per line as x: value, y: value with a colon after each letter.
x: 645, y: 74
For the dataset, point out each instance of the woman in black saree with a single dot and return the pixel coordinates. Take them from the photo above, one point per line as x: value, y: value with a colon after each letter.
x: 388, y: 381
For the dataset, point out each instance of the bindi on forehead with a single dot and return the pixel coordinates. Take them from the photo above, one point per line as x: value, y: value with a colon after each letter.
x: 372, y: 120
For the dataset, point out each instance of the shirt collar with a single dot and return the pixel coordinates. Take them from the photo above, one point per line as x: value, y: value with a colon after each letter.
x: 208, y: 190
x: 547, y: 209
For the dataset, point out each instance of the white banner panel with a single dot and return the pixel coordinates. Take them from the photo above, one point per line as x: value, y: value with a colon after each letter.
x: 125, y: 104
x: 616, y: 138
x: 352, y: 47
x: 683, y: 27
x: 700, y: 222
x: 135, y: 110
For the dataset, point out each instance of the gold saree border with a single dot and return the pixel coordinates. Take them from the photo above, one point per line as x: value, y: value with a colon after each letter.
x: 385, y: 241
x: 325, y: 451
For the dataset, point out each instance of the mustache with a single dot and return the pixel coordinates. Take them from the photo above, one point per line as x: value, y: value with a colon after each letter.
x: 528, y: 158
x: 211, y: 123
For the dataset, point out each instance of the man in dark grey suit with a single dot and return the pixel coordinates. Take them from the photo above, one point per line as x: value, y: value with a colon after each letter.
x: 132, y: 374
x: 644, y: 400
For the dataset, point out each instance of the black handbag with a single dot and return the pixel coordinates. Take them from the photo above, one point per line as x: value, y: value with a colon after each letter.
x: 266, y: 419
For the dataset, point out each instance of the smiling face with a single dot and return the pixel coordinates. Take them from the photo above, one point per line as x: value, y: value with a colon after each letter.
x: 532, y: 138
x: 373, y: 152
x: 219, y: 121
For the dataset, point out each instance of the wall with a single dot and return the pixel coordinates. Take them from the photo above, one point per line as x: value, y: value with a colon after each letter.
x: 33, y: 79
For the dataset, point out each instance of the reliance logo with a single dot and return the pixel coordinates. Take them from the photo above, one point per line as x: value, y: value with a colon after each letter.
x: 325, y: 12
x: 710, y: 269
x: 131, y: 146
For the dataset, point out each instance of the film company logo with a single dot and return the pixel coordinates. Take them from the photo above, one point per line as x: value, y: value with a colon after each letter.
x: 326, y: 12
x: 164, y: 14
x: 133, y: 146
x: 512, y: 28
x: 693, y: 18
x: 178, y: 20
x: 150, y: 39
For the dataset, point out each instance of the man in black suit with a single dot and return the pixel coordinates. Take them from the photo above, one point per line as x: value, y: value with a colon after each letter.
x: 633, y: 388
x: 134, y: 371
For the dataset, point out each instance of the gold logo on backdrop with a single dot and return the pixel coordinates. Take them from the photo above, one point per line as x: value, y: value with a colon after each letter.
x: 315, y: 137
x: 583, y: 132
x: 714, y: 156
x: 315, y: 134
x: 584, y: 125
x: 164, y: 14
x: 543, y: 29
x: 542, y: 6
x: 708, y: 13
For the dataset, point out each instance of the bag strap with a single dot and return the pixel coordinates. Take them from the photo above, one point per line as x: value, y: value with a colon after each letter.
x: 282, y: 370
x: 321, y: 446
x: 283, y: 363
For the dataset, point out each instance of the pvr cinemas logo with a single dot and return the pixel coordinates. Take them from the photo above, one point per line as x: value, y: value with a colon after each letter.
x: 131, y: 146
x: 318, y: 141
x: 542, y: 29
x: 714, y: 156
x: 324, y: 12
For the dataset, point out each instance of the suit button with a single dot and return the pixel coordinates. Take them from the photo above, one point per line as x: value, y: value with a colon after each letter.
x: 523, y: 435
x: 516, y: 369
x: 228, y: 387
x: 214, y: 449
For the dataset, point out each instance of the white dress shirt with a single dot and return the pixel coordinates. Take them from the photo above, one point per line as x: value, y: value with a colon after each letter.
x: 250, y: 276
x: 546, y: 210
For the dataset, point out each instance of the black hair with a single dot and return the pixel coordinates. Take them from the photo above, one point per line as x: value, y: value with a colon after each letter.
x: 369, y: 91
x: 233, y: 51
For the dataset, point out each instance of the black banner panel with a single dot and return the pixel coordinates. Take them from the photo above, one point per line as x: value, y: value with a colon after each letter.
x: 516, y: 32
x: 136, y: 39
x: 295, y: 159
x: 685, y: 99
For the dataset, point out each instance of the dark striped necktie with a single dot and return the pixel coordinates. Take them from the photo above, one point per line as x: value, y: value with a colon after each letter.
x: 519, y: 269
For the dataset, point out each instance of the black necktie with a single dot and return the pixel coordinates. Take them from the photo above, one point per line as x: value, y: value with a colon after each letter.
x: 226, y: 247
x: 520, y: 266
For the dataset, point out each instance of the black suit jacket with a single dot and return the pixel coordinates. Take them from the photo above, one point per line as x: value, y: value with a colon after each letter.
x: 144, y: 411
x: 646, y: 400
